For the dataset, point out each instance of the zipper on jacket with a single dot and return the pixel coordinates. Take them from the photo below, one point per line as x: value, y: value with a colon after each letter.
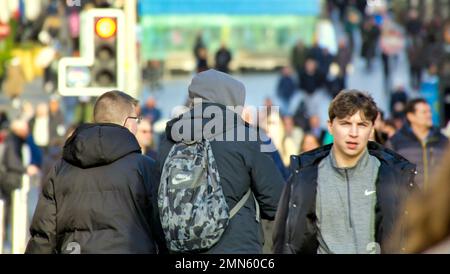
x: 348, y: 200
x: 289, y: 217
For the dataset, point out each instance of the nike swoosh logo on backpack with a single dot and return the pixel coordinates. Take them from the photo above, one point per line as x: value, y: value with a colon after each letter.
x: 180, y: 178
x: 367, y: 192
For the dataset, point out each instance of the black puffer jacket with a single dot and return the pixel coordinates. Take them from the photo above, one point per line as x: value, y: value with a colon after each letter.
x: 295, y: 225
x: 100, y: 198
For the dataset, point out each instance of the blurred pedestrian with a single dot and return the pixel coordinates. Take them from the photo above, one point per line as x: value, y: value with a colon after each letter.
x: 392, y: 43
x: 416, y: 62
x: 316, y: 129
x: 57, y: 123
x: 150, y: 110
x: 414, y: 24
x: 370, y: 35
x: 311, y: 78
x: 285, y: 89
x: 200, y: 53
x: 399, y: 99
x: 144, y: 136
x: 202, y: 61
x: 325, y: 61
x: 343, y: 59
x: 100, y: 198
x: 294, y: 133
x: 40, y: 126
x: 299, y: 54
x: 16, y: 162
x: 223, y: 58
x: 418, y: 141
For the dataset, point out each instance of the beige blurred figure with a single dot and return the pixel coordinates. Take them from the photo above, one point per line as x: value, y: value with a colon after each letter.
x: 40, y: 126
x: 293, y: 137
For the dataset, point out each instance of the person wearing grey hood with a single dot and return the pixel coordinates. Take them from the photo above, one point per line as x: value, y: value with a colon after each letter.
x: 344, y: 197
x: 216, y: 100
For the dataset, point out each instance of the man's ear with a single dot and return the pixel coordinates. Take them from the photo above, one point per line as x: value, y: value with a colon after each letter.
x: 329, y: 125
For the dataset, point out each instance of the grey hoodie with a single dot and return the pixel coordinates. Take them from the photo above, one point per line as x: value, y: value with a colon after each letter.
x: 216, y: 100
x: 213, y: 86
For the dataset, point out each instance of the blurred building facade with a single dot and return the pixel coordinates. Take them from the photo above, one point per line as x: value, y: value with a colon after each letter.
x: 259, y: 32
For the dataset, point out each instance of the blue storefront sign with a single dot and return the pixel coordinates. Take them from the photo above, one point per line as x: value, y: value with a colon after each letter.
x: 230, y: 7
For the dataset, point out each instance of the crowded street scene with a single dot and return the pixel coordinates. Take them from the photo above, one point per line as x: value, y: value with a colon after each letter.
x: 224, y: 127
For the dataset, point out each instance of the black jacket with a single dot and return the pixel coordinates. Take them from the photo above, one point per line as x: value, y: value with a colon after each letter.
x: 99, y: 197
x: 295, y: 229
x: 241, y: 166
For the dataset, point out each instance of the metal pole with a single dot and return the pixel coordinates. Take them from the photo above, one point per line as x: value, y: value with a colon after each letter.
x: 132, y: 74
x: 2, y: 224
x: 20, y: 217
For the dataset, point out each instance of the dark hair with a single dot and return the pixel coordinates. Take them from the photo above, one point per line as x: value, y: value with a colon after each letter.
x: 349, y: 102
x: 411, y: 105
x: 113, y: 107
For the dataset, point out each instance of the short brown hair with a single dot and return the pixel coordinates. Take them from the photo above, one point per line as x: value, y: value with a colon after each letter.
x: 113, y: 107
x: 349, y: 102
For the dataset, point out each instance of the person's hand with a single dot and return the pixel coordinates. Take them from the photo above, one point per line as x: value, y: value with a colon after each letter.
x: 32, y: 170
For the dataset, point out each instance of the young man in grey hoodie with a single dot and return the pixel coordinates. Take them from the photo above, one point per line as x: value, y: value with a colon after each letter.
x: 344, y: 197
x: 217, y: 99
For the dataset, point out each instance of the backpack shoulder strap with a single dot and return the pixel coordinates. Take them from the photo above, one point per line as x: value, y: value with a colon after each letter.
x: 241, y: 203
x: 244, y: 199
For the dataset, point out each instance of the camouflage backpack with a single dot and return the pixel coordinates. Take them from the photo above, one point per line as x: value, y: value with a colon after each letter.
x: 192, y: 206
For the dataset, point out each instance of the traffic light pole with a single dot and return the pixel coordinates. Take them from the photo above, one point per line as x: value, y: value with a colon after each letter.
x: 19, y: 225
x: 133, y: 76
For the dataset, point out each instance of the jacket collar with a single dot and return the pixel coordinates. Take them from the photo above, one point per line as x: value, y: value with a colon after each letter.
x: 315, y: 156
x: 433, y: 135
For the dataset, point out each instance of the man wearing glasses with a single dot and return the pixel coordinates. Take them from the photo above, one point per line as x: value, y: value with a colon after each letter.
x: 100, y: 197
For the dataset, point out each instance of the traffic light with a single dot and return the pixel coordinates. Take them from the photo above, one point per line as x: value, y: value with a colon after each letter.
x: 104, y: 70
x: 101, y: 65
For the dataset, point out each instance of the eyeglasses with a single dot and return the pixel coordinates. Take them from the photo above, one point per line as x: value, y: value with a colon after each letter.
x: 136, y: 118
